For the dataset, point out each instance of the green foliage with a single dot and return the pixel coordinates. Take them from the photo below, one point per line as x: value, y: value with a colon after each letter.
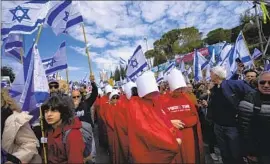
x: 8, y: 71
x: 218, y: 35
x: 117, y: 74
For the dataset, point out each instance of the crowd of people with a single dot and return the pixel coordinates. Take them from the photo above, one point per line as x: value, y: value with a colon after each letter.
x: 145, y: 122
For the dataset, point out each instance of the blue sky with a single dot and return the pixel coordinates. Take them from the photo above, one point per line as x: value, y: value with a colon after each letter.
x: 115, y: 29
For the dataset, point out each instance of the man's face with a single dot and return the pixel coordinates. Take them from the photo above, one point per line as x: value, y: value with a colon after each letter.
x: 53, y: 87
x: 114, y: 99
x: 264, y: 84
x: 189, y: 88
x: 214, y: 77
x: 250, y: 76
x: 76, y: 97
x: 52, y: 117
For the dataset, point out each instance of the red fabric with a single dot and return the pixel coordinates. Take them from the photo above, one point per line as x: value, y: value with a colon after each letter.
x: 150, y: 140
x: 121, y: 131
x: 74, y: 145
x: 101, y: 121
x: 181, y: 108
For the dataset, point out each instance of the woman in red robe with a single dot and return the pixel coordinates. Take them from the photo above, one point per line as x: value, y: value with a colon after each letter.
x: 150, y: 139
x: 184, y: 116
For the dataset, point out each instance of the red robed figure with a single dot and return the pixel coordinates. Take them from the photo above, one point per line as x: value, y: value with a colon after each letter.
x: 121, y: 131
x: 181, y: 108
x: 150, y: 140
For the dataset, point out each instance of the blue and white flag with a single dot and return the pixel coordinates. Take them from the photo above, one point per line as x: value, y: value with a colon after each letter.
x: 256, y: 54
x: 224, y: 53
x: 63, y: 15
x: 199, y: 63
x: 160, y: 77
x: 57, y: 62
x: 13, y: 47
x: 21, y: 17
x: 207, y: 74
x: 242, y: 51
x: 122, y: 62
x: 136, y: 64
x: 213, y: 58
x: 183, y: 68
x: 30, y: 86
x: 169, y: 68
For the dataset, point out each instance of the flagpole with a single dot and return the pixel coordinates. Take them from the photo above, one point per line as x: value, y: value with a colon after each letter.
x: 67, y: 79
x: 248, y: 50
x: 38, y: 35
x: 43, y: 136
x: 87, y: 51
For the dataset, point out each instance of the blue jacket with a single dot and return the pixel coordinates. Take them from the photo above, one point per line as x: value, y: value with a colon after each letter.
x: 234, y: 91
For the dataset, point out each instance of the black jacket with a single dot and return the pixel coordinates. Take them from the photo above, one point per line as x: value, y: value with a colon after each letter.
x: 83, y: 111
x: 254, y: 124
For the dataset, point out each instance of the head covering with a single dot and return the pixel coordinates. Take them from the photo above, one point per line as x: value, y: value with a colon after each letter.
x: 114, y: 93
x: 146, y: 83
x: 176, y: 79
x: 108, y: 89
x: 100, y: 92
x: 52, y: 80
x: 127, y: 88
x: 219, y: 71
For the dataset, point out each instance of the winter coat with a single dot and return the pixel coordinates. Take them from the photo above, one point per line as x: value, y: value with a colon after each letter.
x: 19, y: 139
x: 72, y: 150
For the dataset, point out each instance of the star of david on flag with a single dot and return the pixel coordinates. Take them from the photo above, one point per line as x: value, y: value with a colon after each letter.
x: 136, y: 64
x: 21, y: 17
x: 57, y: 62
x: 63, y: 16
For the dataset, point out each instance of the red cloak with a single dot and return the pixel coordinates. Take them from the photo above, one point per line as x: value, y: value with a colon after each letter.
x: 121, y: 131
x: 150, y: 140
x: 181, y: 108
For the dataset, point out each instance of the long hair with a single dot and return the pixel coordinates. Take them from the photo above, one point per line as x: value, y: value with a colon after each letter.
x: 6, y: 100
x: 61, y: 104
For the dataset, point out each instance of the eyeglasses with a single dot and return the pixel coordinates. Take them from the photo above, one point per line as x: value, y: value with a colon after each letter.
x: 54, y: 86
x: 74, y: 97
x: 263, y: 82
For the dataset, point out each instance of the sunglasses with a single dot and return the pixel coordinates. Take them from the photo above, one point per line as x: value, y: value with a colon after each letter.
x: 74, y: 97
x: 115, y: 97
x: 54, y: 86
x: 263, y: 82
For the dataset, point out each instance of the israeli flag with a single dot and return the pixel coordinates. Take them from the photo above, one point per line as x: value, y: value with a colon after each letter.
x: 169, y: 68
x: 33, y: 88
x: 182, y: 67
x: 213, y: 58
x: 160, y: 77
x: 267, y: 66
x: 256, y: 54
x: 199, y: 63
x: 136, y: 64
x: 13, y: 47
x: 207, y: 74
x: 20, y: 17
x: 224, y: 53
x: 57, y: 62
x: 242, y: 51
x: 63, y: 15
x: 122, y: 62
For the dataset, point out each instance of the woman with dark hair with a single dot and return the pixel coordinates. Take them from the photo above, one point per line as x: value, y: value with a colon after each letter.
x: 59, y: 118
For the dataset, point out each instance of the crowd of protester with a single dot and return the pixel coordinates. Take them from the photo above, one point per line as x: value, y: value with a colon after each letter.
x: 146, y: 122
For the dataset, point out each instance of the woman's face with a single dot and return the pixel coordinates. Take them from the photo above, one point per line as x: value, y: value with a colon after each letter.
x: 114, y: 99
x: 52, y: 117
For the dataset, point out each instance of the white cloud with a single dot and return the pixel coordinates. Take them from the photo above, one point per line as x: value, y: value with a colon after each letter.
x: 81, y: 50
x: 72, y: 68
x: 153, y: 12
